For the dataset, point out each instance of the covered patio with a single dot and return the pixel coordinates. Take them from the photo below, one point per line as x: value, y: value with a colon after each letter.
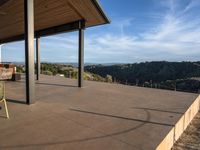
x: 98, y: 116
x: 29, y: 19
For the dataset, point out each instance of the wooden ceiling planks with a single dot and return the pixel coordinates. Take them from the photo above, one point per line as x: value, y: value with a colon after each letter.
x: 2, y: 2
x: 48, y: 13
x: 81, y: 6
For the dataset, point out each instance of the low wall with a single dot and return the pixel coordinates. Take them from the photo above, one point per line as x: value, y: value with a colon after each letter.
x: 180, y: 126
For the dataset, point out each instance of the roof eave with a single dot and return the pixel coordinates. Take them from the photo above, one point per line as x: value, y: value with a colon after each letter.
x: 100, y: 9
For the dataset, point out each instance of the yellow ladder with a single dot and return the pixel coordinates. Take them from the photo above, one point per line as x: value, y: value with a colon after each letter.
x: 2, y: 96
x: 6, y: 108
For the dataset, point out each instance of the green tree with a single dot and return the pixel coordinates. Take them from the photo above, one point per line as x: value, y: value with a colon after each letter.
x: 49, y: 73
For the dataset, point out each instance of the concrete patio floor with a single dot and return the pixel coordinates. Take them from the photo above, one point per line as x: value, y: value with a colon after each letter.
x: 100, y: 116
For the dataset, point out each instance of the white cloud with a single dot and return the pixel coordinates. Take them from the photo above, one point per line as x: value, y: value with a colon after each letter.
x: 191, y: 5
x: 177, y: 36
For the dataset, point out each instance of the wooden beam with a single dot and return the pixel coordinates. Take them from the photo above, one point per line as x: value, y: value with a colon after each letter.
x: 70, y: 27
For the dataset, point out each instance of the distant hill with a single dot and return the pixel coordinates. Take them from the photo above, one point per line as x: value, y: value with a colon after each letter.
x: 150, y: 73
x: 181, y: 76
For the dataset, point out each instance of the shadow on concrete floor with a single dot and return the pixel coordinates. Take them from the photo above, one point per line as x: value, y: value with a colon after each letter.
x: 119, y: 117
x: 16, y: 101
x: 110, y: 135
x: 51, y: 84
x: 159, y: 110
x: 48, y: 84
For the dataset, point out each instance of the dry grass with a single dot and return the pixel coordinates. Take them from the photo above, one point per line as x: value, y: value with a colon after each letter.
x: 190, y: 140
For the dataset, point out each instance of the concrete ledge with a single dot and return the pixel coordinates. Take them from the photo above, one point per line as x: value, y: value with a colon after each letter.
x: 175, y: 133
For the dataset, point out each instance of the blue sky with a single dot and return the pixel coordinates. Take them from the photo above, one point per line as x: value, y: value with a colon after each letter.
x: 141, y: 30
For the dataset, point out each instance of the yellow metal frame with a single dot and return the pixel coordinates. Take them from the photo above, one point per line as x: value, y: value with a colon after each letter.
x: 3, y: 100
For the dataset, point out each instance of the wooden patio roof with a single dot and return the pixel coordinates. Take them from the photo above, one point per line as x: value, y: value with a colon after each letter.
x: 50, y: 17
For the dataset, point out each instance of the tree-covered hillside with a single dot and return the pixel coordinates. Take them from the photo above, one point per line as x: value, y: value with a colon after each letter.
x: 65, y: 70
x: 182, y: 76
x: 162, y: 74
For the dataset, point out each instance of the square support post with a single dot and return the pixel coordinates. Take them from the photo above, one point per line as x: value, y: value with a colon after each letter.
x: 29, y: 50
x: 81, y: 53
x: 38, y: 58
x: 1, y: 53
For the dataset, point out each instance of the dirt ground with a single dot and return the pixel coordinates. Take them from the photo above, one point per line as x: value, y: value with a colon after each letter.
x: 190, y: 140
